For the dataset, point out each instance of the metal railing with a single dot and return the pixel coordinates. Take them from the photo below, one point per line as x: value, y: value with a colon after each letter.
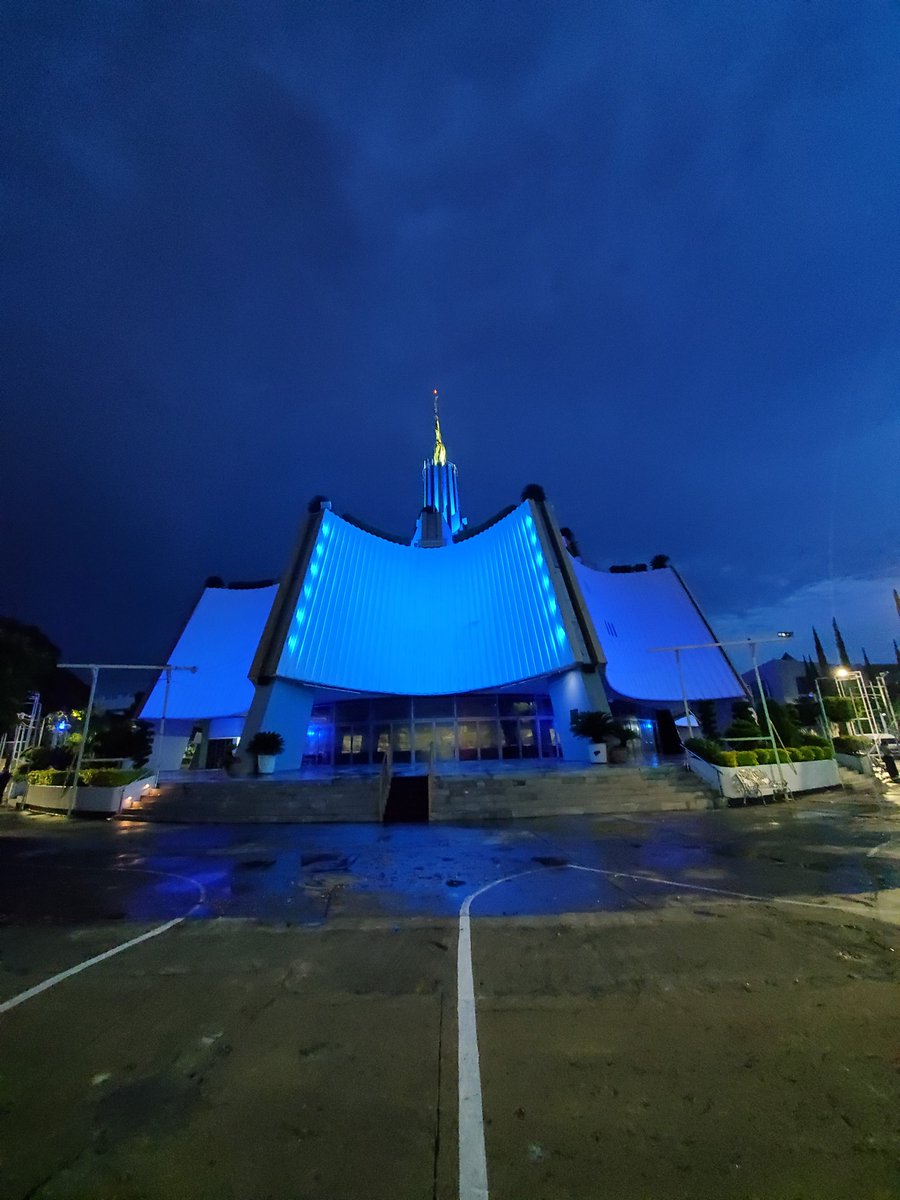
x: 385, y: 776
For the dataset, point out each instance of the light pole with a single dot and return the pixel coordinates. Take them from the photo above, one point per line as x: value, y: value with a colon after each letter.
x: 826, y: 724
x: 95, y: 669
x: 751, y: 643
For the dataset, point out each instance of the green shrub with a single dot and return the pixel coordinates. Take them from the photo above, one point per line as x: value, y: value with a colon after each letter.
x: 99, y: 777
x: 805, y: 710
x: 706, y: 749
x: 49, y: 778
x: 739, y: 758
x: 766, y: 756
x: 851, y: 745
x: 109, y: 777
x: 783, y: 722
x: 46, y: 758
x: 812, y: 739
x: 748, y: 734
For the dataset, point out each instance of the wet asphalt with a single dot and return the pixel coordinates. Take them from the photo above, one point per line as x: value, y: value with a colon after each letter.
x: 295, y: 1036
x: 55, y: 872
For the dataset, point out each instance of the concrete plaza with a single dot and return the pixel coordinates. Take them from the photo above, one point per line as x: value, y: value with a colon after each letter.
x: 707, y: 1010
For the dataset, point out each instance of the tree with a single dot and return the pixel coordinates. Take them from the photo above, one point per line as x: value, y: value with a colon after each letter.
x: 783, y: 722
x: 116, y: 736
x: 744, y: 727
x: 27, y: 660
x: 840, y: 709
x: 821, y: 657
x: 706, y: 713
x: 806, y: 711
x: 843, y: 656
x: 570, y: 543
x: 896, y: 652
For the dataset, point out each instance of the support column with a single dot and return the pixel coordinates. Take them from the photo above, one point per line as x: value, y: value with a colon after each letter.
x: 198, y: 762
x: 575, y: 689
x: 284, y: 707
x: 168, y: 749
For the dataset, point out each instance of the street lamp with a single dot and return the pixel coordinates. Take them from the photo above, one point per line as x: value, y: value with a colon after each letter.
x: 95, y: 669
x: 751, y: 643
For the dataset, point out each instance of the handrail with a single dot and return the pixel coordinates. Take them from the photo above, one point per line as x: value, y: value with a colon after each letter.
x: 690, y: 754
x: 384, y: 780
x: 430, y: 778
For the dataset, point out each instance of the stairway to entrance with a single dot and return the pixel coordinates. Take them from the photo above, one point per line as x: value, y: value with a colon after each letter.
x: 407, y: 801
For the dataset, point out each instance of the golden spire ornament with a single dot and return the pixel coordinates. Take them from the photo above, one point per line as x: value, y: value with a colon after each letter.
x: 440, y: 450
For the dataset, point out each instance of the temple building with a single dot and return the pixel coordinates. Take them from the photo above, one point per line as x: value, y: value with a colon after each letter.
x: 458, y: 643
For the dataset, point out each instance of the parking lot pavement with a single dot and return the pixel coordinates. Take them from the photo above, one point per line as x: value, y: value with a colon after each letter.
x: 290, y: 1029
x: 697, y: 1051
x: 233, y: 1061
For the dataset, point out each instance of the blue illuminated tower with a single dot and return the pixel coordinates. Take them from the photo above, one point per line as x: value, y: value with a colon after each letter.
x: 440, y: 488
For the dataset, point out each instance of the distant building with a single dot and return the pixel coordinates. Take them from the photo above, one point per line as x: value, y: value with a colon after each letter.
x: 468, y: 644
x: 784, y: 679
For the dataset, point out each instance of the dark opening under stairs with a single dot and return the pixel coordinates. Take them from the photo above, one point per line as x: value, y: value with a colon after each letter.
x: 407, y: 801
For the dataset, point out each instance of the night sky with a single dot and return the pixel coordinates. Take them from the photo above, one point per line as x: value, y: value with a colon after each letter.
x: 649, y: 252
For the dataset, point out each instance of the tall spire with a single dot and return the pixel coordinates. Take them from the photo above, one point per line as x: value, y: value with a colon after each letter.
x: 440, y: 517
x: 439, y: 459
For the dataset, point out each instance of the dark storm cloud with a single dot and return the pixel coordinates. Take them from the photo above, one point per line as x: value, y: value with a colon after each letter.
x: 648, y: 251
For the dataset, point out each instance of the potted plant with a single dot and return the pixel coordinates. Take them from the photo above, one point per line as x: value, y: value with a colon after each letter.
x: 625, y: 734
x: 265, y: 745
x: 594, y: 727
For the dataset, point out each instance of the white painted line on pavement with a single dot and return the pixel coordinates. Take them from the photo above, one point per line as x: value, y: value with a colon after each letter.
x: 473, y: 1182
x: 702, y: 887
x: 877, y: 849
x: 98, y: 958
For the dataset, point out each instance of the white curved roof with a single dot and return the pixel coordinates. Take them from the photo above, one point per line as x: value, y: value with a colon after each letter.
x: 375, y: 616
x: 220, y: 640
x: 633, y: 612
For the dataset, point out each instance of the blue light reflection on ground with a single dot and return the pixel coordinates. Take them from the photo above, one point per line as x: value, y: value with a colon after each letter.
x: 305, y: 874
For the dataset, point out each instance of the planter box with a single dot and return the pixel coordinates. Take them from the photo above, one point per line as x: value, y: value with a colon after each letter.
x: 103, y: 801
x: 800, y: 776
x: 855, y: 762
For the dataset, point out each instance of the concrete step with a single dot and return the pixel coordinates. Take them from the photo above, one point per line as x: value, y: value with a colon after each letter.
x: 549, y: 794
x: 247, y: 801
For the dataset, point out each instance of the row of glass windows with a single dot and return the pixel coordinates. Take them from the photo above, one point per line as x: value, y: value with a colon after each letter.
x: 415, y: 708
x: 334, y: 738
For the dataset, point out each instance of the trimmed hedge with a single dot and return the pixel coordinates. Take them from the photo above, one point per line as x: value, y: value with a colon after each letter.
x: 99, y: 777
x: 851, y: 745
x: 767, y: 756
x: 713, y: 753
x: 739, y: 758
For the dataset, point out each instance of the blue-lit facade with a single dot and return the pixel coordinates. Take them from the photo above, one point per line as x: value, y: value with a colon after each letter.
x: 374, y: 616
x: 454, y: 644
